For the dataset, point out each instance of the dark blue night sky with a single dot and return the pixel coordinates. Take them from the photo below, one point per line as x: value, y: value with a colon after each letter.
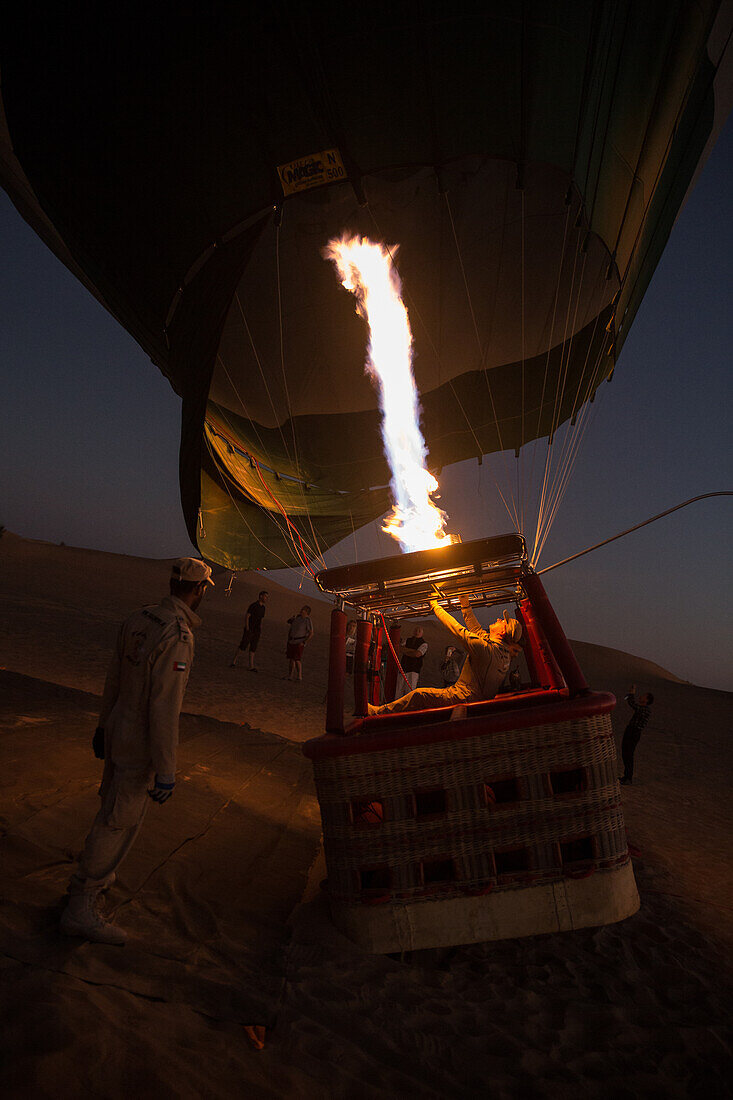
x: 89, y: 445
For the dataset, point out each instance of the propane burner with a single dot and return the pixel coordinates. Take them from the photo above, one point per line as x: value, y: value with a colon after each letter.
x: 486, y: 571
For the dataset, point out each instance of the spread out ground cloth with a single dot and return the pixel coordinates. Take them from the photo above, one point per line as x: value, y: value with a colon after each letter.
x: 221, y: 930
x: 206, y: 890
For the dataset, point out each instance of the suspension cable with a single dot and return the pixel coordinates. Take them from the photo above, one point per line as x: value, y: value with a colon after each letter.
x: 702, y: 496
x: 285, y: 383
x: 551, y: 338
x: 267, y: 549
x: 283, y: 530
x: 303, y: 557
x: 263, y: 377
x: 481, y: 361
x: 555, y: 409
x: 569, y: 451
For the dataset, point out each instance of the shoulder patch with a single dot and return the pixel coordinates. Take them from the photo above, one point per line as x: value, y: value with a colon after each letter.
x: 179, y: 666
x: 149, y: 615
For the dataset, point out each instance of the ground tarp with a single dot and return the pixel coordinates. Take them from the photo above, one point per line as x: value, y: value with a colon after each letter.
x: 210, y: 882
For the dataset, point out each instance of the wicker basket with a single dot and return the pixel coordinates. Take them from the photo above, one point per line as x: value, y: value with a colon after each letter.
x: 473, y: 817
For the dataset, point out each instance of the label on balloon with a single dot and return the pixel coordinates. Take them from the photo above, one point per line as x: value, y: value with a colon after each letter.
x: 313, y: 171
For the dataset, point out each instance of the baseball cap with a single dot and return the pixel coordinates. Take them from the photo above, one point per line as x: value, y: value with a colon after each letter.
x: 191, y: 569
x: 512, y: 630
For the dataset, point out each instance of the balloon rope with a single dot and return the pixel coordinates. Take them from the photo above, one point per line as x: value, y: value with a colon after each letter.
x: 702, y: 496
x: 550, y: 345
x: 263, y: 448
x: 225, y: 479
x: 515, y: 515
x: 258, y: 361
x: 562, y: 368
x: 395, y: 658
x: 285, y: 380
x: 569, y: 447
x: 226, y: 472
x: 573, y: 443
x: 631, y: 264
x: 303, y: 557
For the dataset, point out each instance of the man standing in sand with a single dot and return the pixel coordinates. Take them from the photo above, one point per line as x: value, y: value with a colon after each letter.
x: 138, y: 739
x: 632, y: 733
x: 300, y: 633
x: 489, y: 656
x: 252, y: 630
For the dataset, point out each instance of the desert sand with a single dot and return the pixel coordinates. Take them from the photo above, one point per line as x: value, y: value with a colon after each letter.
x: 221, y: 894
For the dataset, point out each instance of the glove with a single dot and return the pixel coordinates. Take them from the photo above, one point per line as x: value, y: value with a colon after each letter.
x: 162, y: 788
x: 98, y: 743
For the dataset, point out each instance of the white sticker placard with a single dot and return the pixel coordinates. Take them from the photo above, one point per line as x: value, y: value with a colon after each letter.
x: 312, y: 171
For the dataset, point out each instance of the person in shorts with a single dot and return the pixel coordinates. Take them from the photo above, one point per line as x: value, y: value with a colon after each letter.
x: 252, y: 630
x: 300, y: 633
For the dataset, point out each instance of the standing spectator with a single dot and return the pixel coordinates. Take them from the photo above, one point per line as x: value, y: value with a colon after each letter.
x: 300, y: 633
x: 252, y: 630
x: 450, y: 667
x: 632, y: 733
x: 414, y: 650
x: 350, y: 645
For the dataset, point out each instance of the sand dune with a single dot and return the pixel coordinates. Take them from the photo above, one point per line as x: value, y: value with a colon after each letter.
x: 227, y: 923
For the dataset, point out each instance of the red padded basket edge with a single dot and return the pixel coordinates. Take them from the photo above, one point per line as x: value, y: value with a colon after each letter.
x: 385, y: 723
x: 564, y: 710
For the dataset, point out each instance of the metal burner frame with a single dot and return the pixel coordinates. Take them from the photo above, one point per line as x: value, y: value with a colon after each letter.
x: 484, y: 571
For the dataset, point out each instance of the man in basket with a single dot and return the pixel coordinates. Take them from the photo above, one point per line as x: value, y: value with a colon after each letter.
x: 489, y: 656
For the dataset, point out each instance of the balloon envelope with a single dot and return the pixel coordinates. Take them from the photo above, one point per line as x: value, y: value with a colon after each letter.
x: 528, y: 160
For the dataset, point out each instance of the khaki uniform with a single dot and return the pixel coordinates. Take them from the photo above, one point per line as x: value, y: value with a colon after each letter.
x: 141, y: 705
x: 482, y: 674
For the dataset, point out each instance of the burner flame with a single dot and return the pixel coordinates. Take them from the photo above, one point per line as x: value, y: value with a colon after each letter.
x: 367, y: 270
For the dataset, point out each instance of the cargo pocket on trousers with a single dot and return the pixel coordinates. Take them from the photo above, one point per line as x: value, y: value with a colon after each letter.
x: 126, y: 800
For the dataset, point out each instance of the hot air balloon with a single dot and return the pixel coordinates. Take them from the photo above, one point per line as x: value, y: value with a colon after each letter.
x: 528, y: 159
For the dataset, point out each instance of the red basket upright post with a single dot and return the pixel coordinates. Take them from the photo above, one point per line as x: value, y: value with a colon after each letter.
x: 361, y: 666
x: 336, y: 673
x: 376, y: 683
x: 558, y: 643
x: 546, y: 667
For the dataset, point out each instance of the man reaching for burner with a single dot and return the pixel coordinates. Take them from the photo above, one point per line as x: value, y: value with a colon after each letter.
x: 489, y: 655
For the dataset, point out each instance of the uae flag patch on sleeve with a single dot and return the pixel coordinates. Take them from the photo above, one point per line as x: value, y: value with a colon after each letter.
x: 179, y: 666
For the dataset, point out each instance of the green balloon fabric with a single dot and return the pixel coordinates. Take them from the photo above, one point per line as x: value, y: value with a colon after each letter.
x: 525, y: 163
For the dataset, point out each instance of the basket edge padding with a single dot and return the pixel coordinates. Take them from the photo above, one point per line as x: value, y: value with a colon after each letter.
x: 567, y: 904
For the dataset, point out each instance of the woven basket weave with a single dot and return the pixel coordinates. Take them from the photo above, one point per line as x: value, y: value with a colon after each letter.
x: 496, y: 811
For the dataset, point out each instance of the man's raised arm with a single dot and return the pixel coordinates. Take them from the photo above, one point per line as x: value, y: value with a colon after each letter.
x: 469, y: 618
x: 448, y: 621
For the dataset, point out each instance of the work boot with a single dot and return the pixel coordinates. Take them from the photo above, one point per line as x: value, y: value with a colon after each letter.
x: 82, y: 918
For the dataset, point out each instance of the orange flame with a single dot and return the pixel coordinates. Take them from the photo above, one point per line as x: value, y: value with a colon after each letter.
x: 367, y: 270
